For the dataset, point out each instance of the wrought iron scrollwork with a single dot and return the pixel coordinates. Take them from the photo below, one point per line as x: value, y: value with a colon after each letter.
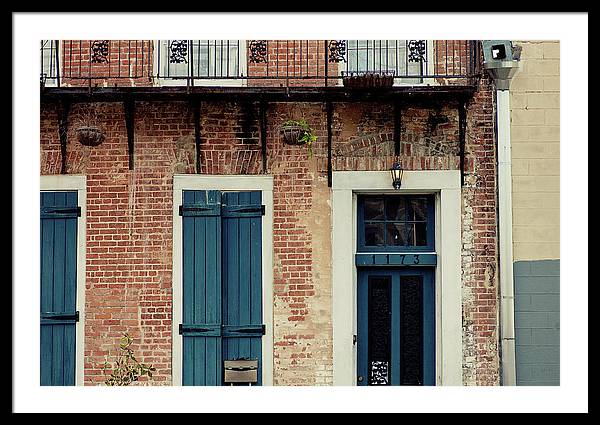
x: 258, y: 51
x: 337, y: 51
x: 100, y: 51
x: 411, y: 330
x: 416, y: 50
x: 379, y: 330
x: 178, y: 51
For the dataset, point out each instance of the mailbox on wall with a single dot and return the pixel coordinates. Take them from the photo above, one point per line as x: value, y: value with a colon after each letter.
x: 240, y: 371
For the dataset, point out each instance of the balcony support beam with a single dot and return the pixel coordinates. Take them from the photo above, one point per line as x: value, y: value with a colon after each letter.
x: 329, y: 107
x: 129, y: 107
x: 63, y: 128
x: 263, y: 133
x: 397, y: 127
x: 414, y: 95
x: 462, y: 126
x: 196, y: 105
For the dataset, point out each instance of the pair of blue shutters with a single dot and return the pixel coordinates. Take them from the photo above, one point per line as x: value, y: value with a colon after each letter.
x: 222, y: 282
x: 58, y: 314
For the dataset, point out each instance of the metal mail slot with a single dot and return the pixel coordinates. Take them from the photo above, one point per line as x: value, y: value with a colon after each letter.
x: 241, y: 371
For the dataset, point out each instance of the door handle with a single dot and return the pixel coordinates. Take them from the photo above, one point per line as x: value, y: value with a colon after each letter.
x: 360, y: 379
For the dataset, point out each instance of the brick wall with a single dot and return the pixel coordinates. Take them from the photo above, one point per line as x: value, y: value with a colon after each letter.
x: 116, y: 63
x: 479, y: 242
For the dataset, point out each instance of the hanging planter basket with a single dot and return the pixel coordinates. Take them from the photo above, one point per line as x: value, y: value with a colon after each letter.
x: 364, y: 80
x: 89, y: 136
x: 292, y: 134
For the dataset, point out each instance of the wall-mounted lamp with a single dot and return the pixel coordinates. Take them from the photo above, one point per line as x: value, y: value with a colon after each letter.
x: 396, y: 172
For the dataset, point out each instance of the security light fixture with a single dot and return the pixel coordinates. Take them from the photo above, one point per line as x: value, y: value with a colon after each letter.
x: 498, y: 52
x: 501, y: 61
x: 396, y: 172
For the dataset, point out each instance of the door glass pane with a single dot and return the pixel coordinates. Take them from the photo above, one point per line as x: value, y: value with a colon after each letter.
x: 411, y: 330
x: 374, y: 234
x: 379, y: 330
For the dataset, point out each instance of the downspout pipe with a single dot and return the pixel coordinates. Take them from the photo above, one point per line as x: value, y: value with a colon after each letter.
x: 502, y: 72
x: 507, y: 293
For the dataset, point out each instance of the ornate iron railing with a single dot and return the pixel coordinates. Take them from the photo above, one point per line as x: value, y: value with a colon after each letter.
x: 258, y: 62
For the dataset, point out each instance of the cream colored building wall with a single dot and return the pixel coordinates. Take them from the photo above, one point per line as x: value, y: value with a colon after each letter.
x: 535, y: 135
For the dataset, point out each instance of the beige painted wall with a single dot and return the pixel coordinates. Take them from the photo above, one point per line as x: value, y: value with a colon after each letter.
x: 535, y: 135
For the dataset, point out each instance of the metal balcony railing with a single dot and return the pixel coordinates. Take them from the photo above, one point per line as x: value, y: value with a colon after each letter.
x: 266, y: 63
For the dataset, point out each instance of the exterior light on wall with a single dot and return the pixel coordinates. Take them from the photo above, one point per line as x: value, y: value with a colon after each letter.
x: 397, y: 172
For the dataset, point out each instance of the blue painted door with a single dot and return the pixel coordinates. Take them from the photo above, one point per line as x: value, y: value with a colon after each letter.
x: 222, y: 282
x: 58, y: 309
x: 396, y: 326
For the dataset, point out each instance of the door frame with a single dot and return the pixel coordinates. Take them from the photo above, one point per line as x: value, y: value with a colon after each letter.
x: 445, y: 185
x: 61, y: 182
x: 261, y: 183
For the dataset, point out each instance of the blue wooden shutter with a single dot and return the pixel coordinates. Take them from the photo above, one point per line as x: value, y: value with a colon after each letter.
x: 58, y: 310
x: 222, y: 282
x: 201, y: 328
x: 242, y: 277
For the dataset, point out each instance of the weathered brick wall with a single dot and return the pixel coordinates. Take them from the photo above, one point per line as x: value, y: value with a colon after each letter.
x: 479, y: 241
x: 129, y: 225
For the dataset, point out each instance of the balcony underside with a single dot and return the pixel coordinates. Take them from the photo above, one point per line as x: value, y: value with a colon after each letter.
x: 407, y: 94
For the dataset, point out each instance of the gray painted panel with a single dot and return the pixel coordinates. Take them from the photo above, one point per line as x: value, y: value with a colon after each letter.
x: 537, y: 302
x: 537, y: 322
x: 522, y: 268
x: 537, y: 284
x: 539, y: 354
x: 545, y: 268
x: 523, y: 336
x: 531, y: 320
x: 545, y: 336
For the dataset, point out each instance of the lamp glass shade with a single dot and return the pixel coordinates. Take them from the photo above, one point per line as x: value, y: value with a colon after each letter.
x: 396, y: 172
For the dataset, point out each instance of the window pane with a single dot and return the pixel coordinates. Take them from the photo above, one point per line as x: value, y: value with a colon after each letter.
x: 373, y: 234
x: 410, y: 234
x: 419, y: 209
x: 396, y: 234
x: 396, y: 208
x: 373, y: 209
x: 383, y: 56
x: 420, y: 234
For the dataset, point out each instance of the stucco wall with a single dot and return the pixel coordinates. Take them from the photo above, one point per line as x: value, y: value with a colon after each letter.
x: 535, y: 134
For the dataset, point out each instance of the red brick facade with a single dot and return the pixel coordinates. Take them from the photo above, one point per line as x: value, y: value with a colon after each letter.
x: 129, y: 216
